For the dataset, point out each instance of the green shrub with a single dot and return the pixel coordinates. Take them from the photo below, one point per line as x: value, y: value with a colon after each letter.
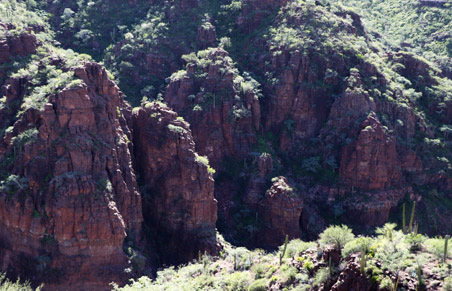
x: 337, y: 236
x: 322, y: 275
x: 258, y: 285
x: 436, y: 247
x: 415, y: 241
x: 205, y: 161
x: 237, y: 281
x: 447, y: 286
x: 296, y: 247
x: 7, y: 285
x: 357, y: 245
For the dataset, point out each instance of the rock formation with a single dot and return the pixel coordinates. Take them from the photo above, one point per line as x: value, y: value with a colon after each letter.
x: 221, y: 105
x: 281, y: 211
x: 69, y: 198
x: 177, y: 184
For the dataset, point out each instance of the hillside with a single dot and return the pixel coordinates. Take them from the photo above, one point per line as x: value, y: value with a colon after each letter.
x: 141, y: 134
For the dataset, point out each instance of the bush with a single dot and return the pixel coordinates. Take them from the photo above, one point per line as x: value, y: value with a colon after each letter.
x: 357, y: 245
x: 322, y: 275
x: 415, y: 241
x: 205, y: 161
x: 7, y: 285
x: 258, y: 285
x: 436, y: 247
x: 296, y: 247
x: 237, y: 281
x: 337, y: 236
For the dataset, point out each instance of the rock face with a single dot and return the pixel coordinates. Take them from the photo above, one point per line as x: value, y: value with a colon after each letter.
x: 281, y: 211
x: 254, y: 11
x: 21, y: 45
x: 177, y: 186
x: 351, y: 278
x: 372, y: 163
x: 221, y: 105
x: 69, y: 198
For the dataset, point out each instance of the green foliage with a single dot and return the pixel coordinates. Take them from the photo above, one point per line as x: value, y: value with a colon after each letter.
x: 296, y: 247
x: 13, y: 184
x: 408, y: 24
x: 322, y: 275
x: 357, y: 245
x: 415, y: 241
x: 7, y: 285
x: 205, y: 161
x: 337, y: 236
x: 258, y: 285
x: 447, y: 284
x: 436, y: 246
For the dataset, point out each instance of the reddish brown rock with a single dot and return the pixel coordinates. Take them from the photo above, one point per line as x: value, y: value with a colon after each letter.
x: 206, y: 35
x: 280, y: 210
x: 372, y: 162
x: 221, y: 105
x: 351, y: 278
x: 254, y: 11
x: 11, y: 45
x: 69, y: 198
x: 257, y: 184
x: 177, y: 185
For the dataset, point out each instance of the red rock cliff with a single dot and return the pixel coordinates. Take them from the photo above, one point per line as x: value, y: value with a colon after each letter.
x: 177, y: 186
x: 70, y: 197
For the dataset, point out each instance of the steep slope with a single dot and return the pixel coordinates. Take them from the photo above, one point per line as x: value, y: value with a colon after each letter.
x: 421, y: 27
x: 68, y: 193
x: 71, y: 212
x: 177, y: 185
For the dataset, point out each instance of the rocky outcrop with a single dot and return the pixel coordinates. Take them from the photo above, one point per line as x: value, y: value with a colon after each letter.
x: 255, y: 11
x: 221, y: 105
x: 68, y: 196
x: 257, y: 184
x: 351, y: 278
x: 177, y: 184
x: 372, y: 162
x: 281, y: 211
x: 206, y: 35
x: 12, y: 45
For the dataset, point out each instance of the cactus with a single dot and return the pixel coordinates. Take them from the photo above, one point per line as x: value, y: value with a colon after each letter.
x: 281, y: 256
x: 419, y: 276
x: 446, y: 239
x: 412, y: 216
x: 363, y: 260
x: 403, y: 219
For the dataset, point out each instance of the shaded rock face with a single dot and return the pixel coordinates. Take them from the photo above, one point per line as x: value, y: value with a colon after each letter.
x: 221, y: 105
x: 372, y: 163
x: 281, y: 211
x: 68, y: 197
x: 257, y: 185
x: 206, y: 35
x: 297, y: 112
x: 179, y: 204
x: 255, y: 11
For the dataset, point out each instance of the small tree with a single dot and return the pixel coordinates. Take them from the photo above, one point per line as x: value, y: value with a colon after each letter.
x: 337, y: 236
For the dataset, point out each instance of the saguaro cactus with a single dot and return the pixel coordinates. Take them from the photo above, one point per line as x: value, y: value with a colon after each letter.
x: 281, y: 256
x: 446, y: 239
